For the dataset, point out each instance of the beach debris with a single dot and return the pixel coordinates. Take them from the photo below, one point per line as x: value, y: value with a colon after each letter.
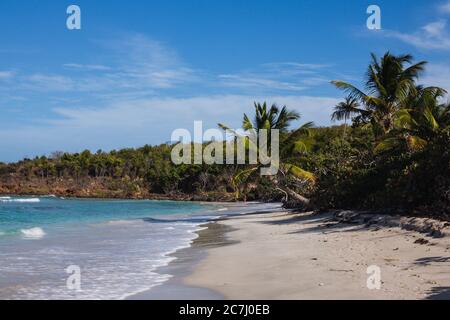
x: 436, y: 234
x: 328, y: 225
x: 340, y: 270
x: 347, y: 216
x: 422, y: 241
x: 430, y: 227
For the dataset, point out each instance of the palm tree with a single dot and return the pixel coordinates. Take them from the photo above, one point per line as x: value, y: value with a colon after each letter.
x: 346, y: 110
x: 415, y: 128
x: 270, y: 119
x: 290, y: 143
x: 390, y: 83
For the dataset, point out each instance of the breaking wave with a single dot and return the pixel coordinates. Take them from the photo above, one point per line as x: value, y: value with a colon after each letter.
x: 23, y: 200
x: 33, y: 233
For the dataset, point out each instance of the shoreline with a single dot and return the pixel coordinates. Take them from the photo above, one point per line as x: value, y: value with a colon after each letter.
x: 152, y: 197
x: 141, y: 250
x: 272, y: 253
x: 281, y: 255
x: 212, y: 235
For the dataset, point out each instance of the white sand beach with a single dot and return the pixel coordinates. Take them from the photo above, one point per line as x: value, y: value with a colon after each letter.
x: 286, y: 256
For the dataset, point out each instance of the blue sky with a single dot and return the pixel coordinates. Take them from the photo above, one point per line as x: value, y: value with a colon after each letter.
x: 137, y: 70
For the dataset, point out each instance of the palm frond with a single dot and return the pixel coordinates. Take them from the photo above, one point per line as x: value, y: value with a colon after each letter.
x: 416, y: 143
x: 303, y: 132
x: 387, y: 144
x: 299, y: 173
x: 247, y: 123
x: 404, y: 120
x: 244, y: 175
x: 351, y: 90
x: 430, y: 119
x: 346, y: 109
x: 413, y: 72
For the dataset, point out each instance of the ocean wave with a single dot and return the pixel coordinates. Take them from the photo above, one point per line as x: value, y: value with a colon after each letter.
x: 54, y: 251
x: 24, y: 200
x: 187, y: 220
x: 125, y: 260
x: 33, y: 233
x: 120, y: 222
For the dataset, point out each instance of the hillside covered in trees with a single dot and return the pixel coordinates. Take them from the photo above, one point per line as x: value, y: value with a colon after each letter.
x: 393, y: 152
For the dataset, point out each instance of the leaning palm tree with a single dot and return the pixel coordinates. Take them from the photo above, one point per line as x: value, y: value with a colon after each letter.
x: 390, y: 83
x: 291, y: 143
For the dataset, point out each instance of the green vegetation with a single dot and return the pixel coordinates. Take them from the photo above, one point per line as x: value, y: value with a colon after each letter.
x: 292, y: 144
x: 406, y: 163
x: 392, y: 152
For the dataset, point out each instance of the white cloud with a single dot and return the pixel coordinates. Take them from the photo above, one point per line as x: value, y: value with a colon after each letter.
x: 6, y: 75
x: 135, y: 123
x: 49, y: 82
x: 435, y: 29
x: 151, y: 63
x: 295, y: 68
x: 120, y: 104
x: 140, y: 67
x: 255, y: 81
x: 139, y: 64
x: 431, y: 36
x: 87, y: 67
x: 280, y: 76
x: 445, y: 7
x: 437, y: 75
x: 434, y: 35
x: 156, y: 112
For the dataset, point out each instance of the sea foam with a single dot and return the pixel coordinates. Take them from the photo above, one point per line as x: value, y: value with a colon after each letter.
x: 33, y: 233
x: 27, y: 200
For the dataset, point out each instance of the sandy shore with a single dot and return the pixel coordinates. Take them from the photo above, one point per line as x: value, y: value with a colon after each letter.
x: 285, y: 256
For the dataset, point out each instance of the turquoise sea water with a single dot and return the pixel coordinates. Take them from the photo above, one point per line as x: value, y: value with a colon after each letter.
x: 19, y: 214
x: 118, y: 245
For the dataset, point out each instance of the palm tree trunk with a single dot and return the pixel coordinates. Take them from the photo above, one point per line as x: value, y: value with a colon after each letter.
x: 305, y: 201
x: 290, y: 193
x: 345, y: 129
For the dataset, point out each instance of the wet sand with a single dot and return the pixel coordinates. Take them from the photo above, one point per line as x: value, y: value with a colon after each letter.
x: 213, y: 235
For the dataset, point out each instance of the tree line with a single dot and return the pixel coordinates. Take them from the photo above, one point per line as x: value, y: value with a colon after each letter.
x: 392, y: 151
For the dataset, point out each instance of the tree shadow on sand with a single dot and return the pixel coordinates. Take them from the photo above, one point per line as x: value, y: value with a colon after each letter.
x: 439, y: 293
x: 306, y: 219
x: 426, y: 261
x: 324, y: 223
